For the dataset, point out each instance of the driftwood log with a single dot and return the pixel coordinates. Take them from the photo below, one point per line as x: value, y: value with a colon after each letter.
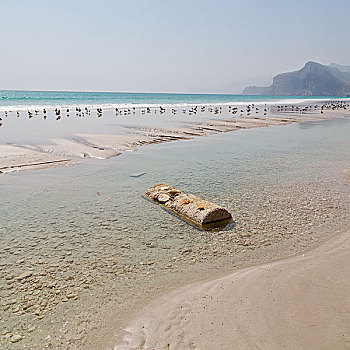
x: 196, y: 210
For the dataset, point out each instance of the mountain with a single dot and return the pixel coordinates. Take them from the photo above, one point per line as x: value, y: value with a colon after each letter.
x: 340, y: 67
x: 313, y: 79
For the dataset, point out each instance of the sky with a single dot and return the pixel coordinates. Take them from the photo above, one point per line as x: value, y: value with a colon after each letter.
x: 165, y: 46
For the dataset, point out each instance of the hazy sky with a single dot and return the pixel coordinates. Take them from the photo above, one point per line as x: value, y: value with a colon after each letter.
x: 163, y: 45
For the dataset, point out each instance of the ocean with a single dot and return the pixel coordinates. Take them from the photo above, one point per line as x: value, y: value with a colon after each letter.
x: 29, y: 100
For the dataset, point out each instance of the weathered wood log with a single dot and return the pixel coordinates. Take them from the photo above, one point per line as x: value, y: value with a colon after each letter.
x: 196, y: 210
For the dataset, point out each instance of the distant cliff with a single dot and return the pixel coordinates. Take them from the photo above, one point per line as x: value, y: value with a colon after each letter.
x: 313, y: 79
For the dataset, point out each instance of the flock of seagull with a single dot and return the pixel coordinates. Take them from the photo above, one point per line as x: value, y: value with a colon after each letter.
x: 326, y: 106
x: 248, y: 110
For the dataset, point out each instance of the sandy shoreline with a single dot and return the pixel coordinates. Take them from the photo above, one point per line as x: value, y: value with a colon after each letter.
x: 16, y: 158
x: 301, y: 302
x: 71, y: 150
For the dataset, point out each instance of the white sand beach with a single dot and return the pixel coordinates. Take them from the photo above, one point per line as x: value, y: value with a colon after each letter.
x: 297, y: 303
x: 72, y: 149
x: 15, y: 158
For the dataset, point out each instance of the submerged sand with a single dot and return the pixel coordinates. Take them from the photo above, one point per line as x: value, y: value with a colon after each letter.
x: 298, y: 303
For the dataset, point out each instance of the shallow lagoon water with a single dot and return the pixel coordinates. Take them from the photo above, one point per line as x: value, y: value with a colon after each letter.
x: 87, y: 234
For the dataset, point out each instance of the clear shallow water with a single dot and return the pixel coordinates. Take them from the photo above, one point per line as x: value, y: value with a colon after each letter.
x: 24, y: 100
x: 91, y: 223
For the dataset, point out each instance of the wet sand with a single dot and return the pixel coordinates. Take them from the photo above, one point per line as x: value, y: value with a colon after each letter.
x: 16, y: 158
x: 74, y: 149
x: 298, y: 303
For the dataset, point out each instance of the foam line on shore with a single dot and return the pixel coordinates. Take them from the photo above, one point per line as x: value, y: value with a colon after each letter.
x: 109, y: 106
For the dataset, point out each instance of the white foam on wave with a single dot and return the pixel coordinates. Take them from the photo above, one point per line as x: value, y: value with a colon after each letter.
x: 286, y: 101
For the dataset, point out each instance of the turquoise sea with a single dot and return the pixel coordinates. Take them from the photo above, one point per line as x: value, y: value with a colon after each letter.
x: 24, y: 100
